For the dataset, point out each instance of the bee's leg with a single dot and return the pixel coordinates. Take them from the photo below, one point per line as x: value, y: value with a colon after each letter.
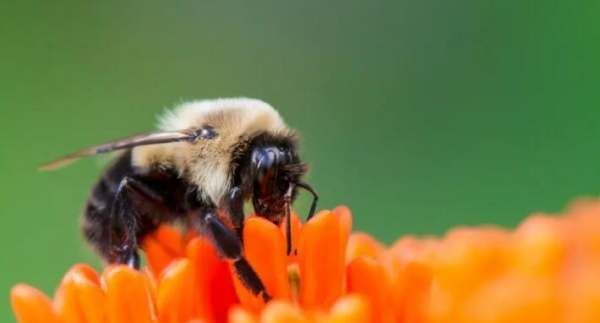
x: 234, y: 204
x: 132, y: 195
x: 229, y: 245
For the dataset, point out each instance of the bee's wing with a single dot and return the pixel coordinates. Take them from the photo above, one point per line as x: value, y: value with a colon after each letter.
x: 130, y: 142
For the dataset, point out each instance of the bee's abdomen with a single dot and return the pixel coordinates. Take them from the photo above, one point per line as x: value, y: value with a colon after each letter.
x: 96, y: 222
x: 161, y: 197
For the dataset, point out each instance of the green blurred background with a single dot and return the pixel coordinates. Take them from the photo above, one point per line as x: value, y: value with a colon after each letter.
x: 419, y: 115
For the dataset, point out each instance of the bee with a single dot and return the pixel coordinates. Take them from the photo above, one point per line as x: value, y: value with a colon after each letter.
x: 206, y: 160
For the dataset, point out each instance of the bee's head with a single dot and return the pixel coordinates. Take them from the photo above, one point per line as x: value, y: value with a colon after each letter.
x: 269, y: 171
x: 276, y: 170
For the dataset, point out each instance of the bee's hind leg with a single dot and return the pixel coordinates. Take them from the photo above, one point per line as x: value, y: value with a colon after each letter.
x: 132, y: 195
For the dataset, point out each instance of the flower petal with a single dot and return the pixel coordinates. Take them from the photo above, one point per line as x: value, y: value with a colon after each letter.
x: 322, y: 252
x: 513, y: 298
x: 204, y: 258
x: 239, y: 315
x: 31, y: 306
x: 461, y: 265
x: 350, y: 309
x: 282, y: 312
x: 175, y: 299
x: 362, y: 244
x: 583, y: 294
x: 222, y: 292
x: 151, y: 283
x: 87, y: 272
x: 265, y: 250
x: 162, y: 247
x: 128, y: 296
x: 410, y: 285
x: 213, y: 286
x: 81, y: 299
x: 542, y: 245
x: 345, y: 216
x: 368, y: 278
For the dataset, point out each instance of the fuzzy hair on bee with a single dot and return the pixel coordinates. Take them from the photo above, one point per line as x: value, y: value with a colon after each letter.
x: 211, y: 164
x: 205, y: 161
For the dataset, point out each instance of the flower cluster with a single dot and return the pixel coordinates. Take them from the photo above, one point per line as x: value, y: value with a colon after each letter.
x: 546, y: 270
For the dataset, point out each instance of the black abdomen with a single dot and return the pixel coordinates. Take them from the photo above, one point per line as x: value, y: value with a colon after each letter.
x: 165, y: 185
x: 96, y: 219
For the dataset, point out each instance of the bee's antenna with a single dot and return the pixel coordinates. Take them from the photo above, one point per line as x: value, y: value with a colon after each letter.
x: 313, y: 205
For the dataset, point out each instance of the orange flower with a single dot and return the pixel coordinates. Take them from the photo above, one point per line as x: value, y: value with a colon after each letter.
x: 547, y: 270
x: 187, y: 281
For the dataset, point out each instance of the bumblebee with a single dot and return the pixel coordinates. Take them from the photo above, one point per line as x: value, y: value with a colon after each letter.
x: 206, y: 160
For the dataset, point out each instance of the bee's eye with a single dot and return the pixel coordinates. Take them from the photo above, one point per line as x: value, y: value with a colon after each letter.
x: 267, y: 173
x: 206, y: 132
x: 264, y: 158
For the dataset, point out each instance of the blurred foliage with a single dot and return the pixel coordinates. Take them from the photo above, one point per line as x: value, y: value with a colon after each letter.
x: 419, y: 115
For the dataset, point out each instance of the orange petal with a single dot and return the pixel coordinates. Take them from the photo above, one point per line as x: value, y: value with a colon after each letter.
x: 282, y: 312
x: 362, y: 244
x: 87, y: 272
x: 470, y: 257
x: 322, y: 252
x: 345, y: 216
x: 513, y: 298
x: 204, y: 258
x: 151, y: 283
x: 81, y: 299
x: 128, y: 296
x: 409, y: 248
x: 222, y: 292
x: 239, y: 315
x: 350, y: 309
x: 213, y: 286
x: 583, y: 294
x: 175, y: 300
x: 542, y: 245
x: 367, y: 277
x: 162, y: 247
x: 410, y: 285
x: 265, y: 250
x: 31, y: 306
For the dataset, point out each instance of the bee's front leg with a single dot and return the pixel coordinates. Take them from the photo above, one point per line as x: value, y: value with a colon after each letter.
x: 234, y: 207
x: 229, y: 244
